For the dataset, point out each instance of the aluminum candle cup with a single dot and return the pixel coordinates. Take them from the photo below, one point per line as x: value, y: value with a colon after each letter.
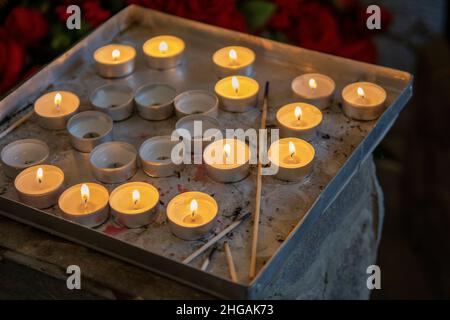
x: 314, y: 88
x: 134, y: 204
x: 113, y: 162
x: 299, y: 120
x: 116, y: 100
x: 85, y: 203
x: 293, y: 157
x: 155, y: 101
x: 155, y: 156
x: 237, y: 93
x: 227, y: 160
x: 22, y: 154
x: 163, y: 52
x: 88, y: 129
x: 192, y: 215
x: 196, y: 102
x: 40, y: 186
x: 115, y: 60
x: 55, y: 108
x: 199, y: 136
x: 233, y: 60
x: 363, y: 101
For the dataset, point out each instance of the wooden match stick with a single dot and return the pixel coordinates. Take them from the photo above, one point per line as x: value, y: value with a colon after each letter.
x: 205, y: 263
x: 256, y: 215
x: 16, y: 124
x: 230, y: 262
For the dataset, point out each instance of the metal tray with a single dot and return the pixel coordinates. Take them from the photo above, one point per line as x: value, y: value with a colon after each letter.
x: 288, y: 209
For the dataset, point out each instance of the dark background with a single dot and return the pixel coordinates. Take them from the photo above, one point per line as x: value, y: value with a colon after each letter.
x: 412, y: 161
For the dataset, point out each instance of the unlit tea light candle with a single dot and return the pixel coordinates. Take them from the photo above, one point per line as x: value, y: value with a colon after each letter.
x: 85, y: 203
x: 155, y: 101
x: 237, y: 93
x: 192, y: 215
x: 55, y: 108
x: 114, y: 99
x: 314, y: 88
x: 40, y: 186
x: 134, y: 204
x: 115, y: 60
x: 299, y: 120
x: 363, y: 100
x: 233, y: 60
x: 163, y: 52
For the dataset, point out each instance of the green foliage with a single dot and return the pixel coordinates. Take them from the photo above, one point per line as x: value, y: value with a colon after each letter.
x: 257, y: 12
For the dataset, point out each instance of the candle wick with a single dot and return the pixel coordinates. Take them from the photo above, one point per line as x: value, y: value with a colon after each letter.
x: 292, y: 154
x: 39, y: 180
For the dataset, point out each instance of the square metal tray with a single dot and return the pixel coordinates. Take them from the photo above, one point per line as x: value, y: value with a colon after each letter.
x: 288, y: 209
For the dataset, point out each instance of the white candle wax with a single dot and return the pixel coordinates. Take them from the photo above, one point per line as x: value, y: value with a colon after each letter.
x: 363, y: 100
x: 314, y: 88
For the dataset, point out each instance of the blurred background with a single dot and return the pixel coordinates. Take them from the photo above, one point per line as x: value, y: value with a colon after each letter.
x: 412, y: 161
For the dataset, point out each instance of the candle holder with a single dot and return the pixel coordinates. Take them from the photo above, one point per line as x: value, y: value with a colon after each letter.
x: 363, y: 101
x: 40, y: 186
x: 88, y: 129
x: 163, y: 52
x: 188, y: 221
x: 155, y: 101
x: 115, y: 60
x: 116, y: 100
x: 293, y: 157
x: 299, y: 120
x: 233, y: 60
x: 227, y: 160
x: 210, y: 131
x: 237, y: 93
x: 113, y: 162
x: 134, y: 204
x: 55, y: 108
x: 22, y: 154
x: 85, y: 203
x: 314, y: 88
x: 155, y: 156
x: 196, y: 102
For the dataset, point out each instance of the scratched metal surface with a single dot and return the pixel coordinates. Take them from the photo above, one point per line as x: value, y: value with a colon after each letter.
x: 284, y: 205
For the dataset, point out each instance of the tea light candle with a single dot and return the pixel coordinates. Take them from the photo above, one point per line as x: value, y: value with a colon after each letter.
x: 299, y: 120
x: 115, y: 60
x: 40, y: 186
x: 237, y: 93
x: 363, y: 100
x: 134, y: 204
x: 22, y: 154
x: 55, y: 108
x: 155, y: 101
x: 196, y: 102
x: 192, y: 215
x: 314, y: 88
x: 163, y: 52
x: 233, y: 60
x: 114, y: 99
x: 227, y: 160
x: 293, y: 157
x: 85, y: 203
x: 155, y: 155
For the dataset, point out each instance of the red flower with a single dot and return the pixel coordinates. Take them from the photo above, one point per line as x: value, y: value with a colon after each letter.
x: 363, y: 49
x: 94, y: 13
x: 61, y: 12
x: 27, y: 25
x: 11, y: 61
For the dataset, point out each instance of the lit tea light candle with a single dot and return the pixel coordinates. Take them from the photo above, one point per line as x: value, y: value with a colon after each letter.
x: 233, y: 60
x: 40, y: 186
x: 227, y: 160
x: 192, y: 215
x: 115, y: 60
x: 134, y: 204
x: 237, y: 93
x: 163, y: 52
x: 293, y: 157
x: 314, y: 88
x: 85, y: 203
x: 363, y: 100
x: 299, y: 120
x: 55, y: 108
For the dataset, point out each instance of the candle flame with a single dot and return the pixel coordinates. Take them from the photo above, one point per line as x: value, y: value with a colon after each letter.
x: 312, y: 83
x: 227, y: 150
x: 233, y: 55
x: 136, y: 196
x: 39, y: 175
x: 193, y: 206
x: 163, y: 47
x: 361, y: 92
x: 84, y: 193
x: 291, y: 148
x: 298, y: 112
x: 235, y: 84
x: 58, y: 100
x: 115, y: 54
